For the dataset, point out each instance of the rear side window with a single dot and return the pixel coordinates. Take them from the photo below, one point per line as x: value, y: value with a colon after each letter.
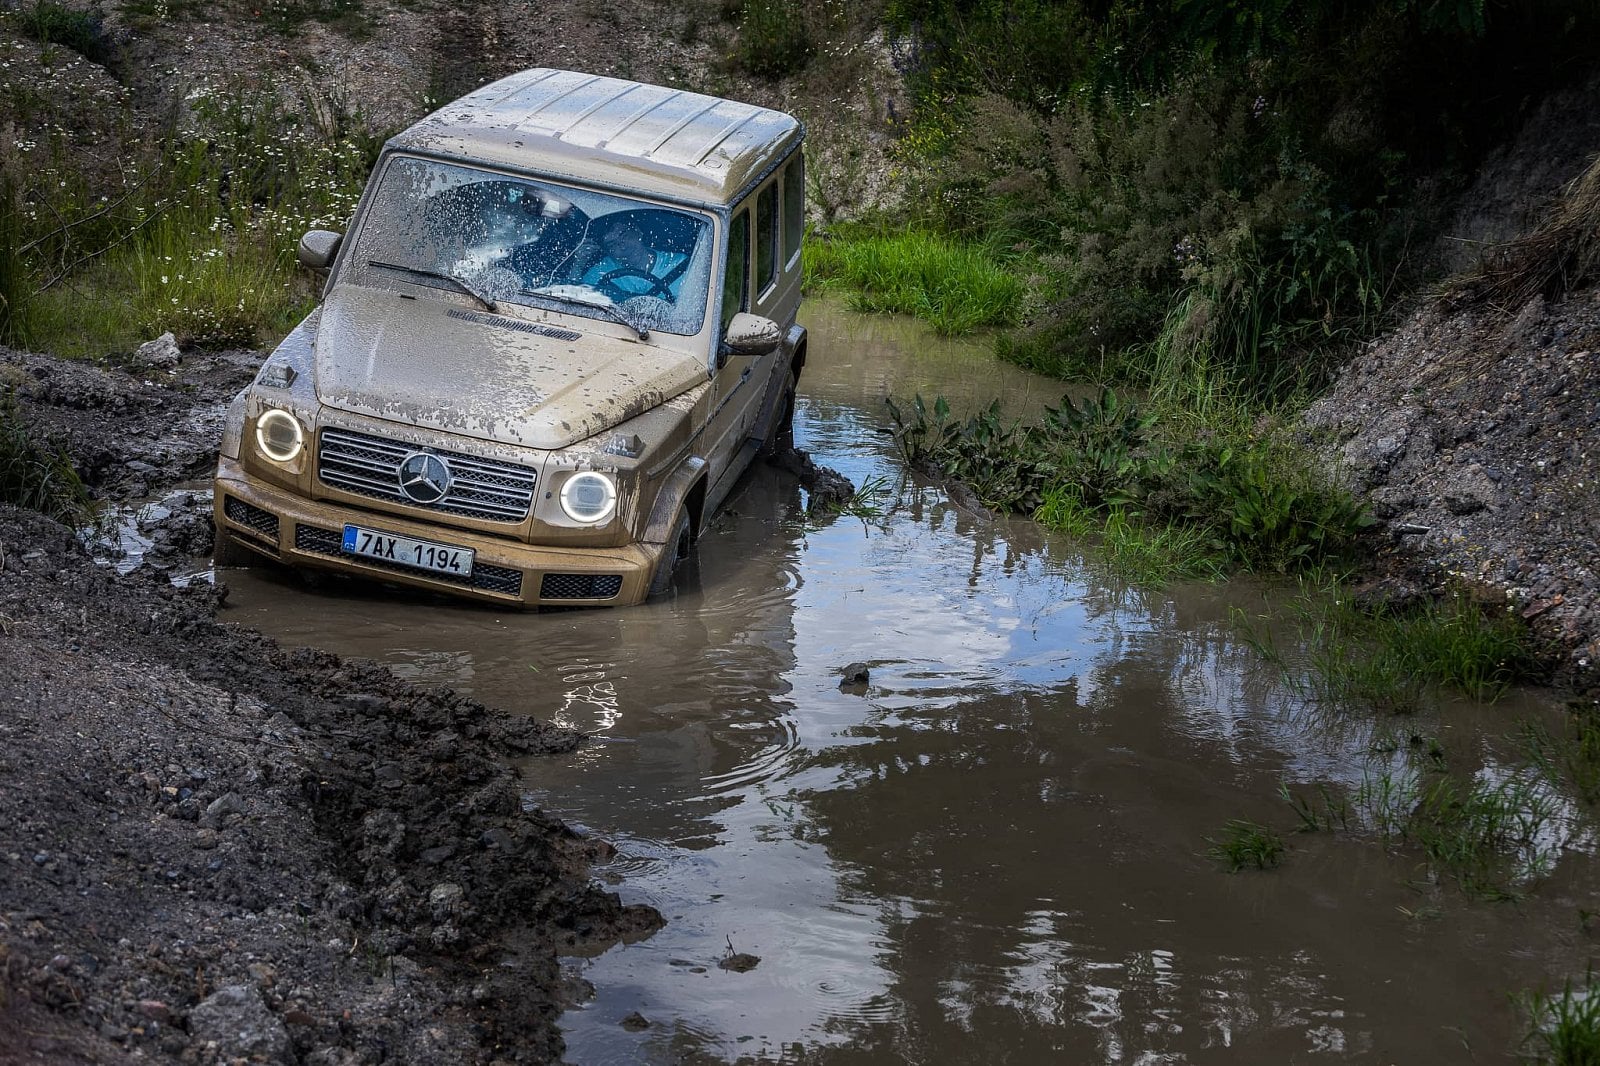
x: 736, y: 278
x: 794, y: 206
x: 766, y: 237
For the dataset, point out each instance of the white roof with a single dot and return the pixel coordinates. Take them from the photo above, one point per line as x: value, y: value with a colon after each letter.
x: 607, y: 131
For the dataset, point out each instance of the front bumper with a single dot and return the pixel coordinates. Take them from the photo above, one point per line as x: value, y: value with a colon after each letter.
x: 309, y: 533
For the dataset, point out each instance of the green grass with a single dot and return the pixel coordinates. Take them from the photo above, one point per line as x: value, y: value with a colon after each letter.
x: 36, y: 475
x: 1564, y: 1027
x: 1168, y: 496
x: 1246, y: 845
x: 1395, y: 660
x: 1572, y: 757
x: 1489, y: 835
x: 956, y: 288
x: 1142, y: 553
x: 1330, y: 810
x: 202, y: 246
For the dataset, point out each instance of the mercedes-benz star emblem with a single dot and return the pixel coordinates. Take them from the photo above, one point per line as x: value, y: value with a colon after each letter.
x: 424, y: 477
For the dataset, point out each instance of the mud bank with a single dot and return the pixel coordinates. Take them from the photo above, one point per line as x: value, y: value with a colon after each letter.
x: 212, y: 847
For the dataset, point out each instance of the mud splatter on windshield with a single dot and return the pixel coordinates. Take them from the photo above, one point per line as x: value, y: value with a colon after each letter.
x: 538, y: 243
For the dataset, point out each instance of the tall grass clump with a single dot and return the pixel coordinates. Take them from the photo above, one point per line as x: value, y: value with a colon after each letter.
x: 1393, y: 658
x: 1246, y: 845
x: 1563, y: 1027
x: 954, y: 287
x: 35, y: 475
x: 1165, y: 500
x: 197, y: 238
x: 13, y: 271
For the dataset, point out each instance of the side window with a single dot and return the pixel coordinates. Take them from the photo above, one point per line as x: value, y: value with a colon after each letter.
x: 794, y: 207
x: 766, y: 237
x: 736, y: 278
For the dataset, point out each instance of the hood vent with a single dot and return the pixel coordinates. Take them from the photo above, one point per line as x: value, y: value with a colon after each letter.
x: 514, y: 323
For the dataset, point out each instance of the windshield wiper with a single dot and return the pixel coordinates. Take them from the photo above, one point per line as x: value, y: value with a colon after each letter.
x: 611, y: 310
x: 460, y: 283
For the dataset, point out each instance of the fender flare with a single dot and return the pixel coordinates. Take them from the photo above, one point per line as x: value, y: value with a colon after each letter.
x: 675, y: 495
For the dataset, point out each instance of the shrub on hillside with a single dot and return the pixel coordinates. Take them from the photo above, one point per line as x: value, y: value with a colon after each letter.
x: 1198, y: 201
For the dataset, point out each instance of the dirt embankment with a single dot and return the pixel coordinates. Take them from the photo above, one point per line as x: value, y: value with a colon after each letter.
x: 212, y: 848
x: 1474, y: 427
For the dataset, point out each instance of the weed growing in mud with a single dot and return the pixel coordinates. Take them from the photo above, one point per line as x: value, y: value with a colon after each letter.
x: 1563, y: 1027
x: 1571, y: 758
x: 1246, y: 845
x: 1324, y: 814
x: 954, y: 287
x: 1394, y: 660
x: 35, y: 475
x: 869, y: 503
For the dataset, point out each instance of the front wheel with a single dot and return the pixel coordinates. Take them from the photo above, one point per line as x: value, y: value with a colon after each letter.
x: 672, y: 557
x: 780, y: 435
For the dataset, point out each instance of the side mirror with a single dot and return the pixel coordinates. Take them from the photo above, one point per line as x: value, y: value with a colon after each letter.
x: 751, y: 335
x: 318, y: 248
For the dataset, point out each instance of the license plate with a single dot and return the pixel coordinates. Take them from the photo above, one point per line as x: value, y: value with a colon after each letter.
x: 421, y: 554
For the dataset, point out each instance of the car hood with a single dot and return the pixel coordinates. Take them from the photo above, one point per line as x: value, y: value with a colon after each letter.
x: 442, y: 367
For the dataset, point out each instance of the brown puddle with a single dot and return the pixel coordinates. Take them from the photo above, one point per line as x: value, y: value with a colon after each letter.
x: 996, y: 851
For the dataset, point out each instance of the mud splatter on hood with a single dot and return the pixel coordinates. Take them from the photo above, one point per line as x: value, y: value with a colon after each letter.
x: 411, y: 361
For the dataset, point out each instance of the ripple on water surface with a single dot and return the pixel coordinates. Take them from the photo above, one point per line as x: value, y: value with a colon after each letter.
x: 996, y: 848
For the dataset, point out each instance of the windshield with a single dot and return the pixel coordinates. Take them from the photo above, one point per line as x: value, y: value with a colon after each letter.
x: 533, y: 242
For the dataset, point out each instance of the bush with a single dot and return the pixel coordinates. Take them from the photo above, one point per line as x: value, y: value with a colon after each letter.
x: 1173, y: 230
x: 774, y: 38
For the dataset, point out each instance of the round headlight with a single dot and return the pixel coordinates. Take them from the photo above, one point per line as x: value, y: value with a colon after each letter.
x: 589, y: 497
x: 278, y: 435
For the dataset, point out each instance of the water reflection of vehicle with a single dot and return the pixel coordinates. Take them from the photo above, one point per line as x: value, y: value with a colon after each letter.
x: 561, y: 327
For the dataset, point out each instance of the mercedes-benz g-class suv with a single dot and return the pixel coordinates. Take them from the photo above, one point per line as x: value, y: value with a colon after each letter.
x: 561, y: 324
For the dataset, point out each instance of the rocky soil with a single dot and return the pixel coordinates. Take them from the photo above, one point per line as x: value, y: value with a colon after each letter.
x: 1476, y: 435
x: 213, y: 849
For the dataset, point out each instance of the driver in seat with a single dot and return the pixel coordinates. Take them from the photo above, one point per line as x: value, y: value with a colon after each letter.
x: 623, y: 262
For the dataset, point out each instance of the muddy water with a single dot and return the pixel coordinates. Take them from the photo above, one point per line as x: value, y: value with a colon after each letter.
x: 995, y: 850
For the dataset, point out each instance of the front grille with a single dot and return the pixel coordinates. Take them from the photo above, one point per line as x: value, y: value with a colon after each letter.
x: 580, y: 586
x: 251, y: 517
x: 485, y: 576
x: 370, y: 466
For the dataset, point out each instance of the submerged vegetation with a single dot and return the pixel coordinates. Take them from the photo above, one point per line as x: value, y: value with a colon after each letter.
x: 1563, y: 1027
x: 1392, y: 659
x: 1246, y: 845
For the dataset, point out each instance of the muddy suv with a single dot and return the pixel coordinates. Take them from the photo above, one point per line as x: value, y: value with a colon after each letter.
x: 560, y: 326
